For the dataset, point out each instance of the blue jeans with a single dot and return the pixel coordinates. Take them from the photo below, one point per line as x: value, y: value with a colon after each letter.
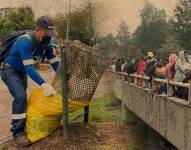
x: 162, y: 89
x: 17, y: 85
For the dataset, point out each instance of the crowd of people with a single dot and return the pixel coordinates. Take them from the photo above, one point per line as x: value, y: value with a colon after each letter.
x: 174, y: 67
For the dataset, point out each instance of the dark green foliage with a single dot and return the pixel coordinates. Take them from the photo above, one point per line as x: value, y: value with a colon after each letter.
x: 17, y: 20
x: 152, y: 32
x: 107, y: 44
x: 80, y: 27
x: 182, y: 23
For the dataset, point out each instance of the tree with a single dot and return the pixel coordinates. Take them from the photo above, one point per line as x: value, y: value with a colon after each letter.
x: 123, y: 35
x: 124, y: 39
x: 107, y: 44
x: 170, y: 45
x: 16, y: 20
x: 182, y: 23
x: 81, y: 25
x: 151, y: 33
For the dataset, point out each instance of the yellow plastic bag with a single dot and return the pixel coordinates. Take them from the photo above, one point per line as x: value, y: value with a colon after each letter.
x: 44, y: 113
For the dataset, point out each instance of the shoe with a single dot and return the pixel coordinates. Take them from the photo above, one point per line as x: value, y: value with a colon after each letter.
x: 22, y: 141
x: 162, y: 94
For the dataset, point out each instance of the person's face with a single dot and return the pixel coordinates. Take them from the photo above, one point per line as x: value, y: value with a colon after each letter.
x: 133, y: 61
x: 186, y: 56
x: 40, y: 33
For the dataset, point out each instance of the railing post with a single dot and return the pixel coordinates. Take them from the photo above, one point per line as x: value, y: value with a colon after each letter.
x: 189, y: 94
x: 153, y: 85
x: 131, y: 79
x: 124, y: 76
x: 135, y: 80
x: 86, y: 114
x: 169, y: 88
x: 144, y: 83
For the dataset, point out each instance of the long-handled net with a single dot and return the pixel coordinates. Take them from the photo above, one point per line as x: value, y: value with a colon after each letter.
x: 85, y: 68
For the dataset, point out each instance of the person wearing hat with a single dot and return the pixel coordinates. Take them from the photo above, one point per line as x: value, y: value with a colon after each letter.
x: 182, y: 68
x: 150, y: 54
x: 20, y: 63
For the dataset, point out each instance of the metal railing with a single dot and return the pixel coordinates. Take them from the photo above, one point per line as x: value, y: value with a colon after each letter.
x: 156, y: 82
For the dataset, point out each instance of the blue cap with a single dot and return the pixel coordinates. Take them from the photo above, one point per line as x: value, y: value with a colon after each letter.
x: 47, y: 24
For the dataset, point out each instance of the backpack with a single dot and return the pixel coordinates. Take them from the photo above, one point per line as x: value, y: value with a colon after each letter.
x: 9, y: 40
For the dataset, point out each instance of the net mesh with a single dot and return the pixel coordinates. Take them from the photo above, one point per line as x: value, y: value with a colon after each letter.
x: 85, y: 68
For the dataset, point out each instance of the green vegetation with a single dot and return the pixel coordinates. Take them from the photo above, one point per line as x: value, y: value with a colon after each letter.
x: 107, y: 44
x: 98, y: 111
x: 80, y: 25
x: 182, y: 23
x: 153, y: 29
x: 1, y: 147
x: 17, y: 20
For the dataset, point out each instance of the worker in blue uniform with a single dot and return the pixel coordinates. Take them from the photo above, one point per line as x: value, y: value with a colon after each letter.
x: 20, y: 63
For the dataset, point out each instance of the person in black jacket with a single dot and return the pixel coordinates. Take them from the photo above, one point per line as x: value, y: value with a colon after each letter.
x: 118, y: 65
x: 131, y: 68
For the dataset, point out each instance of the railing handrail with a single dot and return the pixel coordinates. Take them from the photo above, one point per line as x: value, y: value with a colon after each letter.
x: 171, y: 82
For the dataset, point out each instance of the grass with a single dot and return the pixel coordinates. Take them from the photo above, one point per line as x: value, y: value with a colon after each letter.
x: 98, y: 112
x: 1, y: 147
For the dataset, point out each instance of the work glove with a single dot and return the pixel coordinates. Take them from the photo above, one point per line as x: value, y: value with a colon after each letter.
x: 48, y: 89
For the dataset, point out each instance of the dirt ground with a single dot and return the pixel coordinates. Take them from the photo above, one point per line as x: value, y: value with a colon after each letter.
x: 99, y: 136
